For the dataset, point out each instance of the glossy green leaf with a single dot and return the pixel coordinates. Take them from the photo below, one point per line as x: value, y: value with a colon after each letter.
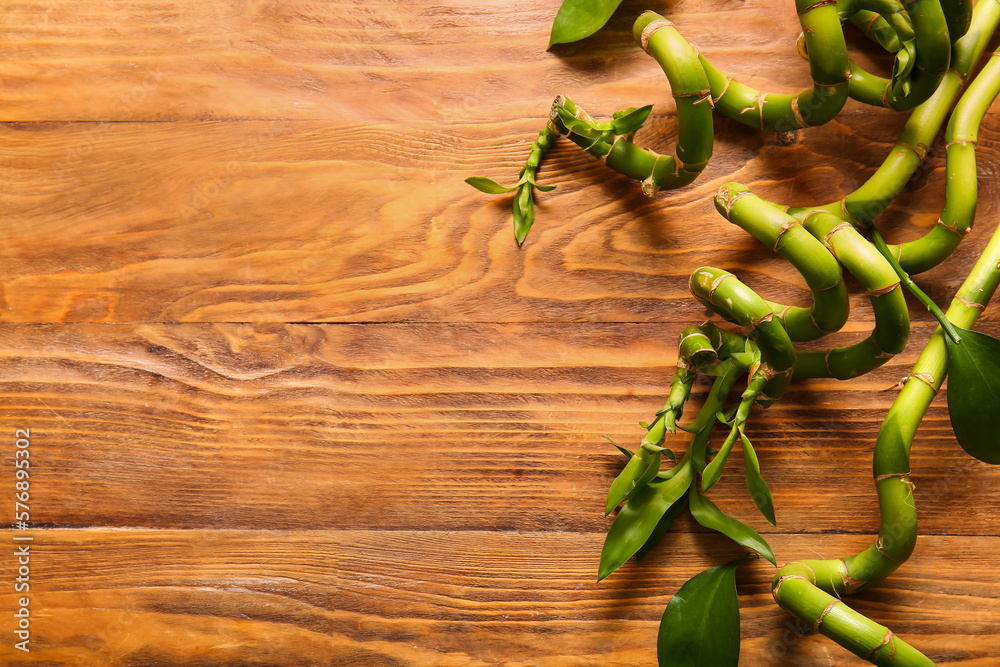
x: 639, y: 471
x: 544, y: 188
x: 759, y: 492
x: 580, y: 18
x: 713, y: 471
x: 627, y: 452
x: 707, y: 514
x: 974, y: 393
x: 632, y: 121
x: 701, y: 624
x: 637, y: 520
x: 489, y: 186
x: 662, y: 526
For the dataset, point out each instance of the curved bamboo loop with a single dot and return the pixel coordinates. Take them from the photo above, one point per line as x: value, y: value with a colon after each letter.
x: 815, y: 106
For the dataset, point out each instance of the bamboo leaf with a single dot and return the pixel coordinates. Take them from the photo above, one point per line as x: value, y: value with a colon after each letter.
x: 627, y: 452
x: 707, y: 514
x: 632, y: 121
x: 759, y: 492
x: 637, y: 520
x: 638, y: 472
x: 974, y: 393
x: 662, y: 526
x: 580, y: 18
x: 489, y: 186
x: 701, y: 624
x: 544, y: 188
x: 713, y: 471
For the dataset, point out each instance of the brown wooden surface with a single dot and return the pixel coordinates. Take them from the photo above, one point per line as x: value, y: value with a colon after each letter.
x: 297, y: 398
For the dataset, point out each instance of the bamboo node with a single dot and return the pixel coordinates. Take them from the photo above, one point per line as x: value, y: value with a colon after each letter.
x: 821, y: 3
x: 926, y: 378
x: 715, y: 101
x: 757, y: 321
x: 649, y: 186
x: 716, y: 283
x: 846, y: 214
x: 807, y: 566
x: 782, y: 579
x: 693, y: 335
x: 953, y: 227
x: 797, y: 114
x: 826, y: 611
x: 881, y: 291
x: 785, y: 226
x: 729, y: 200
x: 970, y: 304
x: 829, y: 234
x: 880, y: 547
x: 959, y: 142
x: 648, y: 31
x: 885, y: 640
x: 895, y: 475
x: 920, y: 150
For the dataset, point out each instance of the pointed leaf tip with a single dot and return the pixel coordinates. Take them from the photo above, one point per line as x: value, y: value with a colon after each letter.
x: 489, y: 186
x: 578, y: 19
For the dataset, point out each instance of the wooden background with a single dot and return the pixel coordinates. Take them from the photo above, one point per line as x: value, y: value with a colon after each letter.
x: 297, y: 398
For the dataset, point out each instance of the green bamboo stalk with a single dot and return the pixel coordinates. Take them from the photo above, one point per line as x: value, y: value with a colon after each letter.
x: 824, y: 35
x: 804, y: 588
x: 919, y: 65
x: 961, y: 185
x: 783, y: 233
x: 726, y: 295
x: 695, y: 135
x: 874, y: 27
x: 881, y: 284
x: 863, y: 205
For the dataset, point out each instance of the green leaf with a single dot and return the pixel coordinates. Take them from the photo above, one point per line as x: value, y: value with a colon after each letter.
x: 974, y: 393
x: 489, y: 186
x: 713, y: 471
x: 759, y: 492
x: 662, y: 526
x: 701, y: 624
x: 638, y: 518
x: 631, y: 122
x: 544, y: 188
x: 707, y: 514
x: 524, y: 212
x: 638, y: 472
x: 580, y: 18
x: 627, y: 452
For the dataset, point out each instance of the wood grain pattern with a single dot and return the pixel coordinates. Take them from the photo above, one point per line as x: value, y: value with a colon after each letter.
x: 297, y: 398
x: 360, y: 597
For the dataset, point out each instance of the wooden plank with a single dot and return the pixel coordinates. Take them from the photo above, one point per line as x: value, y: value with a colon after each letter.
x: 353, y: 597
x: 450, y: 427
x: 299, y: 221
x: 344, y: 60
